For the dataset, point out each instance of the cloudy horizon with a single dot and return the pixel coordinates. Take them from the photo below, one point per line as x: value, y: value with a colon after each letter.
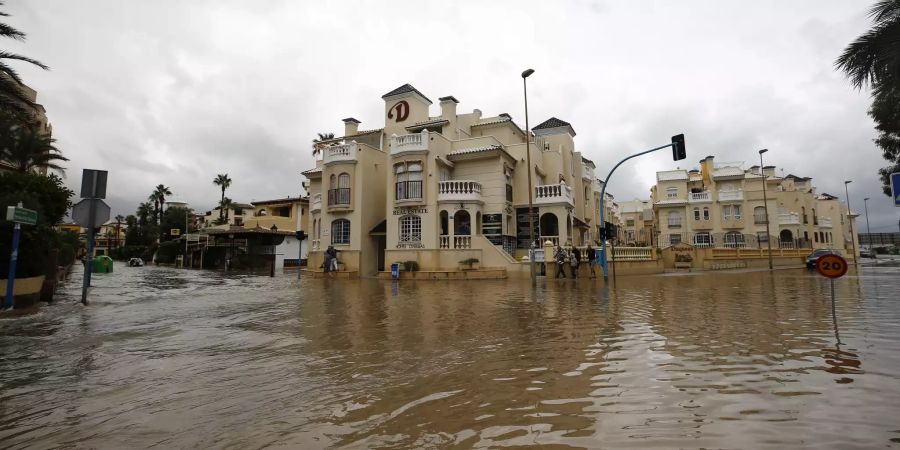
x: 175, y: 93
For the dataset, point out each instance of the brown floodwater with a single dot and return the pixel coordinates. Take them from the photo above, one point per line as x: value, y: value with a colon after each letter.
x: 166, y: 358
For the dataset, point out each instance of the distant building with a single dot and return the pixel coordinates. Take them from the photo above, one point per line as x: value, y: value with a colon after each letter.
x: 721, y: 205
x: 39, y: 120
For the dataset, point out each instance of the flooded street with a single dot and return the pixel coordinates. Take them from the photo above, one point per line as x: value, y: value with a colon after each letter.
x: 169, y: 358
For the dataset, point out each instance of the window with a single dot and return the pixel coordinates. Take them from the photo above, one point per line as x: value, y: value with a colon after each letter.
x: 674, y: 219
x: 703, y: 239
x: 726, y: 212
x: 696, y: 213
x: 816, y: 236
x: 762, y: 237
x: 674, y: 238
x: 672, y: 192
x: 509, y: 193
x: 339, y: 194
x: 284, y: 211
x: 759, y: 215
x: 737, y: 211
x: 629, y: 222
x: 630, y: 235
x: 734, y: 239
x: 409, y: 180
x: 410, y: 229
x: 340, y: 231
x: 344, y: 181
x: 705, y: 213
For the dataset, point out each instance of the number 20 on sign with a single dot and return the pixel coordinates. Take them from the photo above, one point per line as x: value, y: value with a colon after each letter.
x: 831, y: 266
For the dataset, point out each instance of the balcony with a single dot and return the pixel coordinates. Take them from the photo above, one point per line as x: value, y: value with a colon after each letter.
x: 824, y: 223
x: 315, y: 203
x: 461, y: 242
x: 408, y: 190
x: 699, y: 197
x: 340, y: 153
x: 459, y: 191
x: 731, y: 196
x: 549, y: 194
x: 339, y: 197
x: 416, y: 142
x: 789, y: 219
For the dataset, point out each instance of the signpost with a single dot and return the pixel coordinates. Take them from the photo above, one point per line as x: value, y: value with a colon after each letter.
x: 19, y: 216
x: 832, y: 266
x: 895, y: 188
x: 90, y: 213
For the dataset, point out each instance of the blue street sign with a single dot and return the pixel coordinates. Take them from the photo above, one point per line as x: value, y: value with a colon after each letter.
x: 895, y: 188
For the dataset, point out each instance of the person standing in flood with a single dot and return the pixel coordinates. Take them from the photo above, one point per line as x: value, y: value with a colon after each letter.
x: 591, y: 256
x: 560, y: 257
x: 576, y: 259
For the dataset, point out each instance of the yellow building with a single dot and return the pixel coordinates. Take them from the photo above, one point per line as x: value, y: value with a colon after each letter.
x: 722, y: 205
x: 636, y: 223
x: 444, y: 188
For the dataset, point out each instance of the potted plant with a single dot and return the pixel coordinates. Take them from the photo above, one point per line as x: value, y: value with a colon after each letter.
x: 683, y: 261
x: 411, y: 266
x: 468, y: 263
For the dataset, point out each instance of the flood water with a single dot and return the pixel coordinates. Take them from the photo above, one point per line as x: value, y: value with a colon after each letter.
x: 166, y: 358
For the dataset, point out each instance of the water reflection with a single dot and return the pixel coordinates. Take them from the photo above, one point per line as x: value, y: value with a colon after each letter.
x: 201, y: 359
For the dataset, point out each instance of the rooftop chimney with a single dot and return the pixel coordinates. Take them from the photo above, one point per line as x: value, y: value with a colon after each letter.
x: 351, y: 126
x: 448, y: 107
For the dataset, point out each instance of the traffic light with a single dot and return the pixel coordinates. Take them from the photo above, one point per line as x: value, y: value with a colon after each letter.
x: 301, y: 235
x: 679, y: 151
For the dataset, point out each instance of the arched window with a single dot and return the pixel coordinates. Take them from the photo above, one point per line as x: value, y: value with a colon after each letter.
x: 344, y: 181
x: 703, y: 239
x: 815, y: 218
x: 734, y: 239
x: 410, y: 228
x: 696, y: 213
x: 333, y: 182
x: 340, y: 231
x: 816, y: 236
x: 705, y: 213
x: 339, y: 194
x: 759, y: 215
x: 803, y: 213
x: 409, y: 180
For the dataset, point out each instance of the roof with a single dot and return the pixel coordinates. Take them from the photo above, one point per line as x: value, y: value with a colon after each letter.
x: 465, y: 151
x: 350, y: 119
x: 312, y: 171
x: 553, y: 122
x: 406, y: 88
x: 428, y: 123
x: 380, y: 228
x: 281, y: 200
x: 826, y: 196
x: 583, y: 159
x: 501, y: 119
x: 449, y: 98
x: 236, y: 230
x: 795, y: 177
x: 671, y: 175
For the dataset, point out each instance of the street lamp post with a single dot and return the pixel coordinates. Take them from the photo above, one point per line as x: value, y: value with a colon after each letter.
x: 762, y: 173
x: 532, y: 248
x: 868, y: 230
x: 850, y: 219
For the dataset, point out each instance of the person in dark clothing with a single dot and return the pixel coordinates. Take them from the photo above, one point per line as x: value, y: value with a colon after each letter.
x: 560, y: 257
x: 330, y: 256
x: 576, y: 259
x: 591, y: 258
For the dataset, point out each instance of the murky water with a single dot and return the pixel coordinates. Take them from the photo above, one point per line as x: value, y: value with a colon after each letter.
x: 166, y: 358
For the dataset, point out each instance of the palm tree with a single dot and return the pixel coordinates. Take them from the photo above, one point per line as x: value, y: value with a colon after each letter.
x: 13, y: 99
x: 874, y: 57
x: 317, y: 146
x: 225, y: 205
x: 119, y: 219
x: 224, y: 182
x: 154, y: 197
x: 28, y: 149
x: 161, y: 191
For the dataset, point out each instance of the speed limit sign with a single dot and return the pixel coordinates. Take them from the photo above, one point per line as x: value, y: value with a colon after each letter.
x: 831, y: 266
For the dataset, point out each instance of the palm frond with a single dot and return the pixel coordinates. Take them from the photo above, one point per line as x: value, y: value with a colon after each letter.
x: 7, y: 55
x: 10, y: 32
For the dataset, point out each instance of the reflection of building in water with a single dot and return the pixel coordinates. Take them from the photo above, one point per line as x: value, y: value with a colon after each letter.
x: 444, y: 188
x: 722, y: 205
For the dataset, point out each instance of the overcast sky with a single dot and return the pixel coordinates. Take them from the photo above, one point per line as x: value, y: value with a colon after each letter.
x: 175, y: 92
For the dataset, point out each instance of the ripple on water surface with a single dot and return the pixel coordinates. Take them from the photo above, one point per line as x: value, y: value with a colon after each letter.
x: 188, y: 359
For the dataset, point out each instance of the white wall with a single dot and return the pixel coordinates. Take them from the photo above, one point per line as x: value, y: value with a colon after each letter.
x: 288, y: 249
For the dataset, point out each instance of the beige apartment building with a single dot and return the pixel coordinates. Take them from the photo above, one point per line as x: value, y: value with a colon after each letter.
x: 636, y: 223
x: 39, y: 119
x: 721, y: 205
x: 438, y: 189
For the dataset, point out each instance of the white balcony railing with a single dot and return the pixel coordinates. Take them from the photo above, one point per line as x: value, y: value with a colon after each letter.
x: 340, y: 152
x: 632, y: 254
x: 553, y: 193
x: 409, y: 142
x: 699, y: 197
x: 455, y: 241
x: 444, y: 242
x: 725, y: 196
x: 316, y: 203
x: 459, y: 190
x: 553, y: 240
x: 789, y: 218
x: 824, y: 223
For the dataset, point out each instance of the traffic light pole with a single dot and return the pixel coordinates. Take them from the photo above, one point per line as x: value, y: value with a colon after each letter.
x: 603, y: 263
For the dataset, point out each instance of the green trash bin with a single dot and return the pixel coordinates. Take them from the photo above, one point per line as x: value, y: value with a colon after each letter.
x: 103, y: 264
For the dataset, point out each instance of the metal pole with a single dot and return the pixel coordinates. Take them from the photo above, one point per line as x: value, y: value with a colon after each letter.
x: 869, y: 230
x: 850, y: 219
x: 603, y: 263
x: 13, y: 257
x: 532, y: 248
x: 299, y: 257
x: 89, y: 258
x: 762, y: 173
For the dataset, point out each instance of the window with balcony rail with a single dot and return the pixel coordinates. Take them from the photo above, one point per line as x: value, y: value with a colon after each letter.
x: 339, y: 196
x: 703, y: 239
x: 409, y: 180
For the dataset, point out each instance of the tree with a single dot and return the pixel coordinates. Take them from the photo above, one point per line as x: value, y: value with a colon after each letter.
x: 27, y: 148
x: 317, y: 142
x: 159, y: 197
x: 225, y: 205
x: 119, y: 219
x: 13, y: 99
x: 873, y: 60
x: 224, y: 182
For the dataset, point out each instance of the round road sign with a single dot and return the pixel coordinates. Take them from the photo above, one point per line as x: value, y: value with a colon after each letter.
x: 831, y: 266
